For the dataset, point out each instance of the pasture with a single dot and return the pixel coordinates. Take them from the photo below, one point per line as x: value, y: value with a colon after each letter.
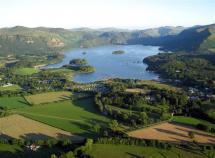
x: 191, y: 121
x: 13, y: 102
x: 173, y: 132
x: 17, y: 126
x: 25, y: 71
x: 159, y: 85
x: 76, y: 116
x: 137, y: 90
x: 10, y: 88
x: 126, y: 151
x: 48, y: 97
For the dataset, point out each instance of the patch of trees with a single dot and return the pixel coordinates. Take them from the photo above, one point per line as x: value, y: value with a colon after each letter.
x: 78, y: 62
x: 191, y: 69
x: 40, y: 82
x: 140, y: 109
x: 80, y: 65
x: 118, y: 52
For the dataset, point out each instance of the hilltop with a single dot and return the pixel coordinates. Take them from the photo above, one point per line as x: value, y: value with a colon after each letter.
x: 41, y: 40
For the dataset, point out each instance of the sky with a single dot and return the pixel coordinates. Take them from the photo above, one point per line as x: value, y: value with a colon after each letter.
x: 127, y: 14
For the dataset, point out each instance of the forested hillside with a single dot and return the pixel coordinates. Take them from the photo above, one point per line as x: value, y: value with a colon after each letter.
x: 22, y: 40
x: 199, y: 38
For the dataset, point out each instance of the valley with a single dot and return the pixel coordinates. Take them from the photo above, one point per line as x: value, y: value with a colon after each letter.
x: 80, y: 92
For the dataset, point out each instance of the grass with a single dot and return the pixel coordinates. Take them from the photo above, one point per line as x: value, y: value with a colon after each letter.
x: 9, y: 148
x: 25, y: 71
x: 208, y: 108
x: 159, y: 85
x: 48, y: 97
x: 76, y: 116
x: 63, y: 71
x: 13, y: 102
x: 126, y: 151
x: 191, y: 121
x: 11, y: 88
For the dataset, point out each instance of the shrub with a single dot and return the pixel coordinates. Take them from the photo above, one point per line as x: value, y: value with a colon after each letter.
x: 202, y: 127
x: 191, y: 134
x: 51, y: 142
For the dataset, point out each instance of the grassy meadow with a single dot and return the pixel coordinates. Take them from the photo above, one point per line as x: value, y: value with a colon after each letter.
x: 77, y: 116
x: 191, y: 121
x: 48, y: 97
x: 25, y: 71
x: 13, y: 102
x: 126, y: 151
x: 11, y: 88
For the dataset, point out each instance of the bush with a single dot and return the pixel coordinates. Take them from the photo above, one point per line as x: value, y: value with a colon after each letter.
x: 40, y: 142
x: 51, y: 142
x: 191, y: 134
x: 202, y: 127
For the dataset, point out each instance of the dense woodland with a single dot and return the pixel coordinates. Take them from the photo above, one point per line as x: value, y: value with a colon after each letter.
x: 151, y: 106
x: 191, y: 69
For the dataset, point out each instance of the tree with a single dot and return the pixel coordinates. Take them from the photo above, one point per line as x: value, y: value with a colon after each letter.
x: 113, y: 125
x: 96, y: 128
x: 144, y: 118
x: 4, y: 111
x: 53, y: 156
x: 191, y: 134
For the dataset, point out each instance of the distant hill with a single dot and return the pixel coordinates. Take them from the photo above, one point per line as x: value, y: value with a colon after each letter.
x: 23, y: 40
x: 198, y: 38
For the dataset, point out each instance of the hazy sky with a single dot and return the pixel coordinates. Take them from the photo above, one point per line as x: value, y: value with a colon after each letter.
x: 106, y: 13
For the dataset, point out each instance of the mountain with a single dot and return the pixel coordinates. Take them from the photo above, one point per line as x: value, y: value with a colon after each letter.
x: 22, y: 40
x: 40, y: 40
x: 194, y: 39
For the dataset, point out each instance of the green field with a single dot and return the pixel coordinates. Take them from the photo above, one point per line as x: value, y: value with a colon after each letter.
x: 191, y: 121
x: 25, y: 71
x: 126, y: 151
x: 77, y: 117
x: 63, y: 71
x: 11, y: 88
x: 9, y: 148
x: 48, y: 97
x: 159, y: 85
x: 13, y: 102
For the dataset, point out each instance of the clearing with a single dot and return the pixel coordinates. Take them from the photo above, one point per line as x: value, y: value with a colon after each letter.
x: 48, y: 97
x: 25, y: 71
x: 10, y: 88
x: 17, y: 126
x: 173, y: 132
x: 159, y: 85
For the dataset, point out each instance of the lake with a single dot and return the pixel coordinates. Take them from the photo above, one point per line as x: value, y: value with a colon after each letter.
x: 128, y: 65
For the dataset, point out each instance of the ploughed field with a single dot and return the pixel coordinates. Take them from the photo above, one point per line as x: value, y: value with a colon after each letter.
x: 173, y: 132
x: 17, y: 126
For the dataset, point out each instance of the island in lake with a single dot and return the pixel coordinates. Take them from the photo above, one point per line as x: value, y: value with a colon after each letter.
x: 118, y: 52
x: 78, y: 62
x: 80, y: 65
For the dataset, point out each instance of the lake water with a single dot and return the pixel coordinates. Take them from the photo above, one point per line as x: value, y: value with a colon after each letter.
x: 128, y: 65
